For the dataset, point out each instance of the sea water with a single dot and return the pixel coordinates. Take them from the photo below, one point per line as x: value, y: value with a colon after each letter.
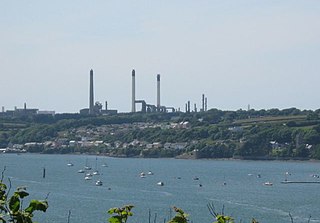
x: 236, y: 187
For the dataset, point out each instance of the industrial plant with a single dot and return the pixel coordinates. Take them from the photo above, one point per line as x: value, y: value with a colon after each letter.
x: 22, y: 112
x: 145, y: 107
x: 96, y: 108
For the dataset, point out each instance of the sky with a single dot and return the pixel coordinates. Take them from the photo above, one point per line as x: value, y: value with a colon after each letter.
x: 265, y: 53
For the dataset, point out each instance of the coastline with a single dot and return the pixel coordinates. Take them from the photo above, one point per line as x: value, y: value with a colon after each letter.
x: 182, y: 157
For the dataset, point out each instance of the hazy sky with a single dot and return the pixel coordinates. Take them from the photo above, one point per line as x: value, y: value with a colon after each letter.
x: 265, y: 53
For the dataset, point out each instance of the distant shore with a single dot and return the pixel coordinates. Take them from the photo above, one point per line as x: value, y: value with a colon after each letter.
x: 183, y: 156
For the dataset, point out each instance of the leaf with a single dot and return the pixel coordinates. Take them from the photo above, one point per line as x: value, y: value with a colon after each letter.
x: 115, y: 219
x: 112, y: 210
x: 22, y: 194
x: 36, y: 205
x: 178, y: 219
x: 14, y: 203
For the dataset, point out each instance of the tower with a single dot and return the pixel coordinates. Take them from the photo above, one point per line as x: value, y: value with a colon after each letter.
x: 133, y: 91
x: 203, y: 102
x: 158, y: 92
x: 91, y: 96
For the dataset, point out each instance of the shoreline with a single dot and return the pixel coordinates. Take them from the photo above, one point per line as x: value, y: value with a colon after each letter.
x: 238, y: 158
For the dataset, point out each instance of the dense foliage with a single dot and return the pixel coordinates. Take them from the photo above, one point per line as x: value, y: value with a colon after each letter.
x: 285, y: 134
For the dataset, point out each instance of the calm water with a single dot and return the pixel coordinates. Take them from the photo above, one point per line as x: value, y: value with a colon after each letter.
x: 244, y: 195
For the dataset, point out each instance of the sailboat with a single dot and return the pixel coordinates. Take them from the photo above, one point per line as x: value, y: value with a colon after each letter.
x: 87, y: 167
x: 96, y: 172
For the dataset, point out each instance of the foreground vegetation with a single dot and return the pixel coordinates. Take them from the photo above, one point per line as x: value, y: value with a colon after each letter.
x: 11, y: 207
x: 264, y: 134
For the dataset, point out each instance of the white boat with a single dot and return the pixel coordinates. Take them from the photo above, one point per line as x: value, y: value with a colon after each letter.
x: 268, y: 183
x: 160, y: 183
x: 87, y: 167
x: 89, y: 175
x: 150, y: 173
x: 70, y: 164
x: 99, y: 183
x: 81, y: 171
x: 142, y: 175
x: 104, y: 165
x: 96, y: 172
x: 88, y: 178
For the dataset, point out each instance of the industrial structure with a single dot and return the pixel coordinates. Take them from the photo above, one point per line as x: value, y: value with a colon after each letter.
x: 24, y: 112
x: 95, y: 108
x: 148, y: 108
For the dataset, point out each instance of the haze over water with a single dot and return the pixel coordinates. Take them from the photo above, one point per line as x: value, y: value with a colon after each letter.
x: 244, y: 195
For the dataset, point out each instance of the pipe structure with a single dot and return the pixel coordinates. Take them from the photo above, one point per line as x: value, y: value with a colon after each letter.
x: 133, y: 100
x: 106, y: 105
x: 91, y: 96
x: 158, y: 92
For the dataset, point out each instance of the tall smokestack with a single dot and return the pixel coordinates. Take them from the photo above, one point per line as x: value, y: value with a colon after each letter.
x: 203, y: 102
x: 91, y: 97
x: 133, y: 91
x: 106, y: 105
x: 158, y: 92
x: 206, y: 104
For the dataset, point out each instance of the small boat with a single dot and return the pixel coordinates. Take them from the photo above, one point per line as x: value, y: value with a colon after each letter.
x: 259, y: 175
x: 150, y: 173
x: 104, y: 165
x: 196, y: 178
x: 89, y: 175
x: 268, y: 183
x: 160, y: 183
x: 81, y: 171
x: 70, y: 164
x: 87, y: 167
x: 142, y: 175
x: 96, y: 172
x: 88, y: 178
x: 99, y: 183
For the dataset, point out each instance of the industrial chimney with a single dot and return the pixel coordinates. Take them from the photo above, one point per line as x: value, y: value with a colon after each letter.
x: 133, y: 91
x: 91, y: 99
x: 203, y: 102
x: 206, y: 104
x: 158, y: 92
